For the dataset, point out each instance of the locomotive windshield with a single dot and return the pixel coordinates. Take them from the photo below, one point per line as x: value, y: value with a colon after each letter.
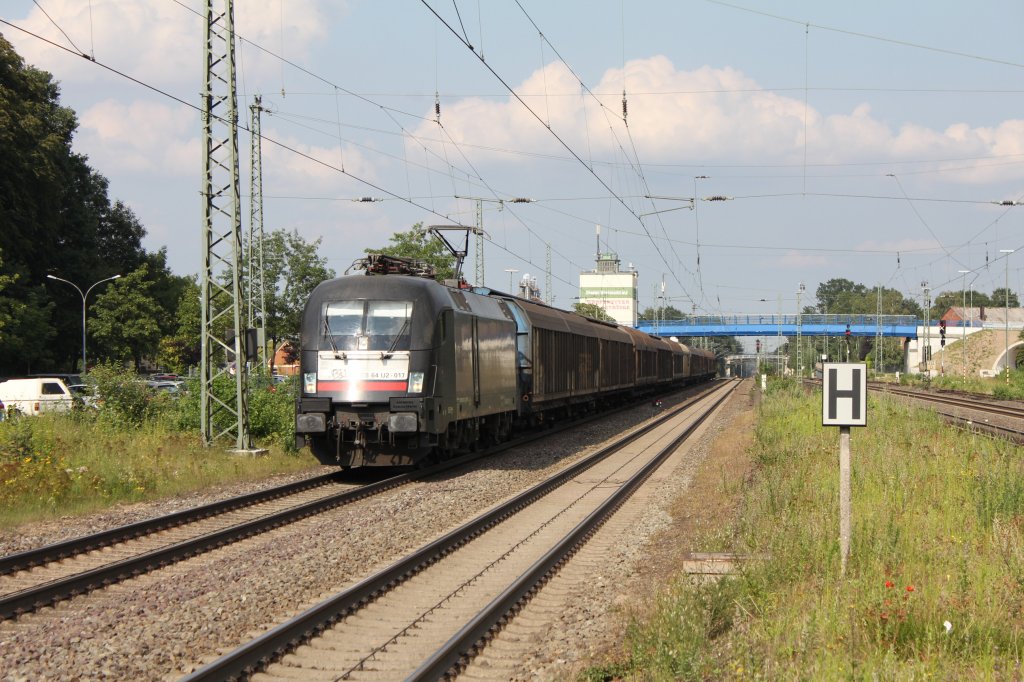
x: 366, y: 325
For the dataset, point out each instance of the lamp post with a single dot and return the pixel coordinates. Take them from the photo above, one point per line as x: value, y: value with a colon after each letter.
x: 1006, y: 321
x: 511, y: 279
x: 84, y: 297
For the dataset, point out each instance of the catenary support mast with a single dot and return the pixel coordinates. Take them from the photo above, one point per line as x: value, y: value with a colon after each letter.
x: 254, y: 254
x: 222, y: 237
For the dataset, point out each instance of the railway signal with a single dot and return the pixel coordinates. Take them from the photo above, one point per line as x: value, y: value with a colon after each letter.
x: 942, y: 333
x: 844, y: 404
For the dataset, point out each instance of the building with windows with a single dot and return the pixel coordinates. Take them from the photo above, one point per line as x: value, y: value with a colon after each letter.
x: 611, y: 288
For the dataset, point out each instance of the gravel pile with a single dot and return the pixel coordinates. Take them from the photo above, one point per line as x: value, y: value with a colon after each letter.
x: 161, y: 625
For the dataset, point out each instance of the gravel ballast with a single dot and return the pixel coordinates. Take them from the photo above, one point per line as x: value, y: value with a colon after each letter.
x: 163, y: 624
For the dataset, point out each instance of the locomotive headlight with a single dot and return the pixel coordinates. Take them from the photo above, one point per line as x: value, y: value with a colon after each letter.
x: 309, y: 382
x: 415, y: 382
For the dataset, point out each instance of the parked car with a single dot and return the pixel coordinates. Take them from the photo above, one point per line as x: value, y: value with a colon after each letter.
x: 171, y: 388
x: 82, y: 395
x: 36, y: 395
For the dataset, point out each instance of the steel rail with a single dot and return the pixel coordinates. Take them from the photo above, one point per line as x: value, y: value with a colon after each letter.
x: 39, y: 596
x: 68, y: 548
x: 450, y: 657
x: 259, y: 652
x: 965, y: 403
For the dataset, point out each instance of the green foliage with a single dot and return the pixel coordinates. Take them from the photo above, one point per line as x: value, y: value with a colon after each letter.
x: 181, y: 348
x: 1012, y: 390
x: 55, y: 465
x: 122, y: 399
x: 938, y: 536
x: 292, y: 268
x: 667, y: 312
x: 124, y: 318
x: 271, y: 410
x: 56, y: 219
x: 592, y: 310
x: 417, y: 243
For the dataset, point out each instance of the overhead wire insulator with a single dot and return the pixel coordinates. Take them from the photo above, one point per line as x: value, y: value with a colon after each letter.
x: 625, y: 106
x: 437, y: 107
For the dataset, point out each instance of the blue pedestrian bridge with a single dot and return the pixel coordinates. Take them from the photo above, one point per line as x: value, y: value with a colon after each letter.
x: 785, y: 325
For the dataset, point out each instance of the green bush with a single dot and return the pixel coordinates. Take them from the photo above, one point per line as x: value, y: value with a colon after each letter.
x: 271, y: 409
x: 1010, y: 391
x: 121, y: 398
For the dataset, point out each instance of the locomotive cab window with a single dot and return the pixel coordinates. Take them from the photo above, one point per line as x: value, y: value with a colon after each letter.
x: 366, y: 325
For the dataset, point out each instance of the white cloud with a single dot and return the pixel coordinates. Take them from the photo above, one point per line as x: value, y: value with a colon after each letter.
x: 713, y: 113
x: 162, y: 42
x: 797, y: 260
x: 898, y: 245
x: 140, y: 136
x: 315, y: 169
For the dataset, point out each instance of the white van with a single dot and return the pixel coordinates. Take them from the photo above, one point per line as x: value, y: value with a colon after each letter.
x: 35, y: 396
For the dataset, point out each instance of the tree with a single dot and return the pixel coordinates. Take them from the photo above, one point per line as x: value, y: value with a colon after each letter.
x: 844, y: 297
x: 55, y: 218
x: 592, y: 310
x: 662, y: 313
x: 420, y: 245
x: 124, y: 323
x: 292, y: 268
x: 183, y: 347
x: 999, y: 295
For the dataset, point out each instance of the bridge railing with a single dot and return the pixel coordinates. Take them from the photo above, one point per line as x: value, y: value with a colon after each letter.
x: 791, y: 320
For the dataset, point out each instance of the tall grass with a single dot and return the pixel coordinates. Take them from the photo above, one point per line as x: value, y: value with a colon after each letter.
x: 136, y: 446
x: 938, y: 538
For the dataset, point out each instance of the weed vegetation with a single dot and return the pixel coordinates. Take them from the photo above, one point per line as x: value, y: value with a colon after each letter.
x: 935, y: 583
x: 134, y: 445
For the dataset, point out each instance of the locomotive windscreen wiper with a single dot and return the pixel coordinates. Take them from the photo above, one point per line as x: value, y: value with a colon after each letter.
x: 330, y: 337
x: 394, y: 344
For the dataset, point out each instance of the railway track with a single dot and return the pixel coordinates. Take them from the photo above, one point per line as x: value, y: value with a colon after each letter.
x: 41, y: 577
x: 424, y: 615
x: 972, y: 413
x: 957, y: 400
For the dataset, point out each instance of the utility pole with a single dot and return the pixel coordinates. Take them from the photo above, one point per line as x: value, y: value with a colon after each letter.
x: 927, y: 328
x: 878, y: 330
x: 222, y: 236
x: 548, y: 298
x: 799, y: 335
x: 478, y: 273
x: 257, y: 293
x: 1006, y: 321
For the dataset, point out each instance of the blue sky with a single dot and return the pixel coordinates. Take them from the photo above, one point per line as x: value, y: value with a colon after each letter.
x: 857, y: 140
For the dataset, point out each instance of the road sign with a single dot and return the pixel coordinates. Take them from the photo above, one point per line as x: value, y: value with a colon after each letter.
x: 844, y: 395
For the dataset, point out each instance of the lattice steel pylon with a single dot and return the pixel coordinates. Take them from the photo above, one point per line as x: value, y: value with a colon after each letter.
x: 222, y: 238
x: 257, y: 296
x: 478, y: 275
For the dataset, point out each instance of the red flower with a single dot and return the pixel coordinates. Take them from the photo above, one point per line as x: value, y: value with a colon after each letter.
x: 890, y: 584
x: 910, y: 588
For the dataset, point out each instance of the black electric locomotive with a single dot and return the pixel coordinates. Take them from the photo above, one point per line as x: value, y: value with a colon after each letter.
x: 398, y: 369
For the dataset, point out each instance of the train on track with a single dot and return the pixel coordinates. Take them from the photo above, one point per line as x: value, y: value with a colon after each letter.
x: 399, y: 369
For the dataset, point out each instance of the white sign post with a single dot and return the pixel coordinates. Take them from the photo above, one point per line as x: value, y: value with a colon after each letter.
x: 844, y: 402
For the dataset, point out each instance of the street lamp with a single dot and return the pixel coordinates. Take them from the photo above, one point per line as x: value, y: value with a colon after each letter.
x: 511, y: 279
x: 1006, y: 321
x: 84, y: 296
